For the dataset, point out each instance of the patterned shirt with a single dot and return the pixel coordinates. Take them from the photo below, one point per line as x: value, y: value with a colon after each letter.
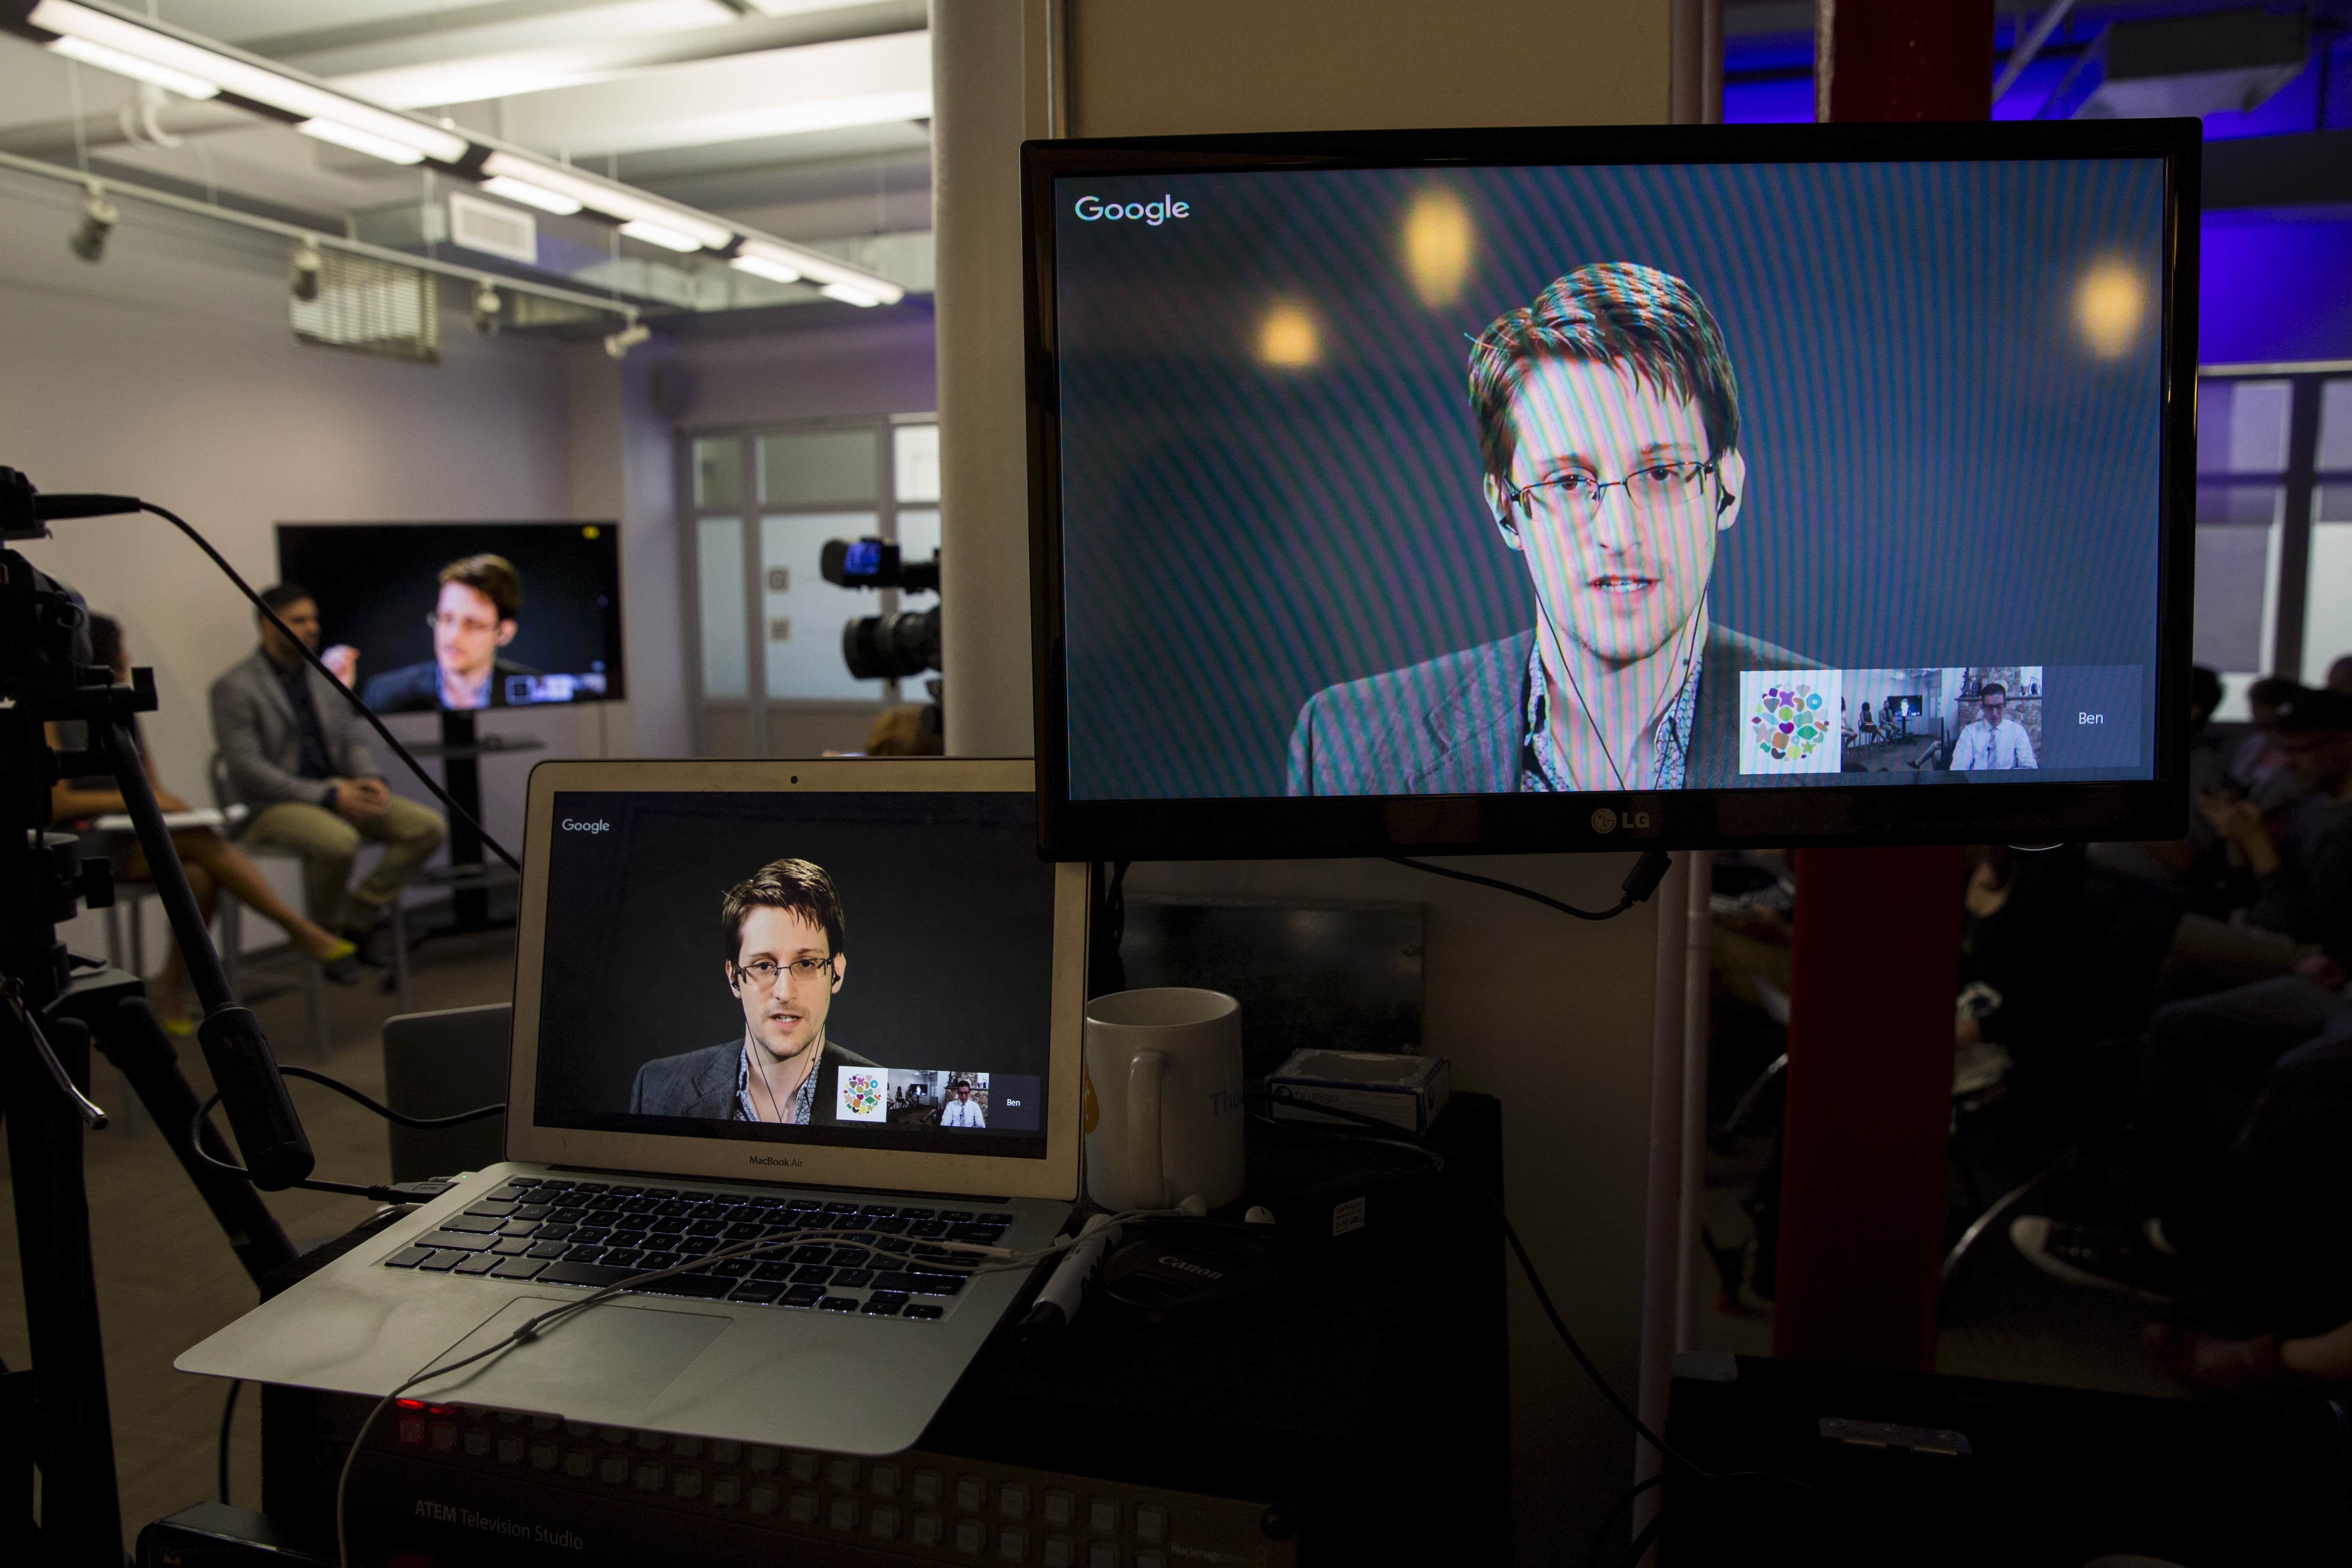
x: 1542, y: 768
x: 802, y: 1103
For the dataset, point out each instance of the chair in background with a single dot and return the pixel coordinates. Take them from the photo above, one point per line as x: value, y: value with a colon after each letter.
x: 438, y: 1064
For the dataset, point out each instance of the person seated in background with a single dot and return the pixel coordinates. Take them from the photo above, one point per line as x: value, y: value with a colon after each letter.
x: 2068, y: 953
x: 2205, y: 1059
x: 2254, y: 1263
x: 291, y: 746
x: 472, y: 619
x: 2258, y: 768
x: 1993, y: 740
x: 960, y: 1109
x: 1869, y: 727
x: 213, y: 862
x: 2191, y: 865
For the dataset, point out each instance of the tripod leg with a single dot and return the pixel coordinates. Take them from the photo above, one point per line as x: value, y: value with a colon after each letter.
x: 137, y: 1046
x: 73, y: 1436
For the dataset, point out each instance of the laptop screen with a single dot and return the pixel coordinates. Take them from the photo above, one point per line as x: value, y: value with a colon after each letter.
x: 868, y: 969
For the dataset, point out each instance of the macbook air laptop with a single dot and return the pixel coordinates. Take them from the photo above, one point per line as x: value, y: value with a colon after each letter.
x: 832, y: 1006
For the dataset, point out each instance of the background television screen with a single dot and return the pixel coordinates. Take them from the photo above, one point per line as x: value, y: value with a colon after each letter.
x: 378, y: 587
x: 1278, y: 571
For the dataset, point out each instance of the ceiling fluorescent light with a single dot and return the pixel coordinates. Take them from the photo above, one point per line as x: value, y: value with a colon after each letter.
x: 761, y: 266
x: 359, y: 140
x: 655, y: 234
x: 254, y: 83
x: 849, y: 295
x: 134, y: 68
x: 613, y: 200
x: 530, y: 195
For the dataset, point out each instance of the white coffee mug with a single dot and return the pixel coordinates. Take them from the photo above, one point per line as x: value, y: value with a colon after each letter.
x: 1163, y: 1097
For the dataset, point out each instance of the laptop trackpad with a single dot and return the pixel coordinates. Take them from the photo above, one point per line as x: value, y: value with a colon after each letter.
x: 618, y: 1354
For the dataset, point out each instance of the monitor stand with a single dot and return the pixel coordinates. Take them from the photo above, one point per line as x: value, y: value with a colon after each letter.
x: 467, y: 877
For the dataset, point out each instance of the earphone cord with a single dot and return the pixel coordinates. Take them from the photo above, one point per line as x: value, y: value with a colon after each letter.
x: 1690, y: 637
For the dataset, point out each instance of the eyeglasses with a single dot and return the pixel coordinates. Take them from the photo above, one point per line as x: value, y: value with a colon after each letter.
x: 765, y: 971
x: 441, y: 621
x: 1657, y: 488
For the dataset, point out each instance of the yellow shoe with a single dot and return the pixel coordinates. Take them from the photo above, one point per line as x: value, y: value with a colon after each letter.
x: 180, y: 1027
x: 342, y: 963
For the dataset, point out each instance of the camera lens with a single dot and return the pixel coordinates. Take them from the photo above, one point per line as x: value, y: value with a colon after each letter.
x: 891, y: 647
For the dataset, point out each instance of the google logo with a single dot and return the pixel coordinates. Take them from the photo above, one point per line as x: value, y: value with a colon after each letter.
x: 1094, y: 209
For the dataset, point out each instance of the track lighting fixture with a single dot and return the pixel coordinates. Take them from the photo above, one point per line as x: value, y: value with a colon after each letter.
x: 487, y: 305
x: 302, y: 273
x: 98, y: 220
x: 619, y: 344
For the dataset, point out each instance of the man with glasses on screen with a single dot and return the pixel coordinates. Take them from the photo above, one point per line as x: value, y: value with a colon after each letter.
x: 1609, y: 431
x: 785, y: 962
x: 473, y: 617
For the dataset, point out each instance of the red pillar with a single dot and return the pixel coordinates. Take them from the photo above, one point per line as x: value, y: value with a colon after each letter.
x: 1878, y: 930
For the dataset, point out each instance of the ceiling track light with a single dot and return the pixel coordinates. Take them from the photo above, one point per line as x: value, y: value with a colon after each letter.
x: 98, y: 220
x: 619, y: 344
x: 111, y: 37
x: 152, y: 52
x: 487, y: 305
x: 303, y: 270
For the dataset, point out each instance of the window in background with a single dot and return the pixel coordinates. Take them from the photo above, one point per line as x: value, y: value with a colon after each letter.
x: 2274, y: 526
x: 772, y: 678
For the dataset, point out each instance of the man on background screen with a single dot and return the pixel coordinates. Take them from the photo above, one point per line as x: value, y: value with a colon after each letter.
x: 1608, y: 430
x: 291, y: 746
x: 785, y: 961
x: 474, y: 616
x: 960, y: 1111
x: 1994, y: 741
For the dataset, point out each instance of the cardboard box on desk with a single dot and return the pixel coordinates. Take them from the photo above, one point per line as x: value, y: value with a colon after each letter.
x: 1406, y: 1091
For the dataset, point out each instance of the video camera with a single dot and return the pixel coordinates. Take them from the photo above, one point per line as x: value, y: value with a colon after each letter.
x: 887, y: 646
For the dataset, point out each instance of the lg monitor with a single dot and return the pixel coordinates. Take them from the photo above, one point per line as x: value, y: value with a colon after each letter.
x: 457, y: 616
x: 1576, y: 489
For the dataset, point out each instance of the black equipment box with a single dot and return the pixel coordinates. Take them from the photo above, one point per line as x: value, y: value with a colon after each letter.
x: 1306, y: 1425
x: 1941, y: 1472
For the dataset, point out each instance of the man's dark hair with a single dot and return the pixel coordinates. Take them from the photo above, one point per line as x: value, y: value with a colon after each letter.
x: 2204, y: 691
x: 2308, y: 712
x: 798, y: 886
x: 493, y: 577
x: 1611, y: 312
x: 280, y: 596
x: 961, y: 1083
x: 105, y: 640
x: 2273, y: 689
x: 1991, y: 688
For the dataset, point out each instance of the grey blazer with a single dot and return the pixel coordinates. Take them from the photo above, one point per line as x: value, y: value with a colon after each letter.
x: 261, y: 743
x: 702, y: 1083
x: 1452, y: 726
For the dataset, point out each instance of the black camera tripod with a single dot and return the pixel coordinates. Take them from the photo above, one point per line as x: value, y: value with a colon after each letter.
x: 53, y: 1007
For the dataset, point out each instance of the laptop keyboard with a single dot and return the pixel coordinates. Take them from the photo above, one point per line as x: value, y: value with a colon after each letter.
x: 822, y: 1257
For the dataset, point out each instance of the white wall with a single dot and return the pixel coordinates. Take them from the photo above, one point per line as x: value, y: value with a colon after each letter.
x: 169, y: 371
x: 1552, y: 1016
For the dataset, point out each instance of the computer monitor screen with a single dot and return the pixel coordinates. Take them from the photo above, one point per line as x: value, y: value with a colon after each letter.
x: 449, y: 617
x: 783, y: 969
x: 1559, y: 490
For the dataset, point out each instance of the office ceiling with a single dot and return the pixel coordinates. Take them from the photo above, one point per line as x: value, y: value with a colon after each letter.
x: 814, y: 113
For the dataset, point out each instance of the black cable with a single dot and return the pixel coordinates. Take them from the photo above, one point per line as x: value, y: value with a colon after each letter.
x: 361, y: 708
x: 1639, y: 884
x: 1527, y: 1265
x: 1624, y: 1501
x: 374, y: 1192
x: 421, y: 1123
x: 229, y: 1416
x: 1648, y: 1537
